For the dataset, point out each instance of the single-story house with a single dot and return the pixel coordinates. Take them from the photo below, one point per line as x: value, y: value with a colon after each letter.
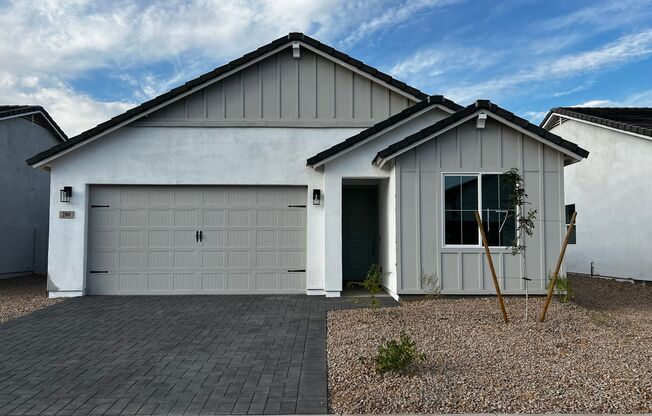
x: 611, y: 191
x: 291, y: 170
x: 25, y: 193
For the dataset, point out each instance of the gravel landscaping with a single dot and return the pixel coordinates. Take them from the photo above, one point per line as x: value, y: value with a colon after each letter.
x: 592, y: 355
x: 21, y: 296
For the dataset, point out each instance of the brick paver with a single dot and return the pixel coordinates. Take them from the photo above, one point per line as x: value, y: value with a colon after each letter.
x: 167, y: 355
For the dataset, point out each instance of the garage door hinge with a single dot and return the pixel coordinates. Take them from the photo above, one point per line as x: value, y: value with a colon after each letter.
x: 99, y: 206
x: 297, y: 271
x: 296, y: 206
x: 98, y: 271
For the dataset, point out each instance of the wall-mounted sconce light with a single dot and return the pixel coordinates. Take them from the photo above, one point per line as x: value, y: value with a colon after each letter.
x: 296, y: 51
x: 65, y: 194
x: 316, y: 197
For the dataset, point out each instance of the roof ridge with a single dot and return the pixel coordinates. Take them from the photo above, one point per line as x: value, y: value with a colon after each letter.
x: 602, y: 119
x: 17, y: 110
x: 469, y: 110
x: 221, y: 70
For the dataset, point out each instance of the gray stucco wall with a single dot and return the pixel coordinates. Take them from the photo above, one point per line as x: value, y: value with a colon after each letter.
x: 24, y: 211
x: 466, y: 149
x: 612, y: 194
x: 280, y: 88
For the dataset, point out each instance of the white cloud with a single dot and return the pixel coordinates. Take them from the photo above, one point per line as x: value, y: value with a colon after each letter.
x: 392, y: 16
x: 593, y: 103
x: 626, y: 49
x: 47, y: 44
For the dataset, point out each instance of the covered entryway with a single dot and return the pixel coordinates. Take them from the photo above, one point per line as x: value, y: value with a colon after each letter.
x: 359, y: 229
x: 196, y: 239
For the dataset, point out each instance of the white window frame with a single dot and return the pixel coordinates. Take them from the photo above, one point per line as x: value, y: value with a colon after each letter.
x: 443, y: 210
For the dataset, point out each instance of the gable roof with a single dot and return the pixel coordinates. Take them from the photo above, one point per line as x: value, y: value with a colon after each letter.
x: 217, y: 73
x: 636, y: 120
x: 383, y: 125
x: 41, y: 117
x: 477, y: 107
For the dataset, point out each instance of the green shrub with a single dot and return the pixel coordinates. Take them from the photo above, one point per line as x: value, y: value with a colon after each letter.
x: 397, y: 355
x: 563, y: 288
x: 373, y: 283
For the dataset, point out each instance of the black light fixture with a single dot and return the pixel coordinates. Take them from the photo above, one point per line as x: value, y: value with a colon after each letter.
x: 65, y: 194
x: 316, y: 196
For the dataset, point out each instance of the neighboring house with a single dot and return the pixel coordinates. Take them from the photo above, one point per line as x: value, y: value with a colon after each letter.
x: 292, y: 170
x: 611, y: 191
x: 25, y: 192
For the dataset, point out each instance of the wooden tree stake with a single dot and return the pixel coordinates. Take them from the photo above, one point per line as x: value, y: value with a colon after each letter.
x: 551, y: 288
x: 491, y: 267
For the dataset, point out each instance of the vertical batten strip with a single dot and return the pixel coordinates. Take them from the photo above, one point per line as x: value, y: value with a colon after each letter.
x: 397, y: 204
x: 418, y: 216
x: 296, y: 73
x: 260, y: 92
x: 279, y: 111
x: 542, y: 215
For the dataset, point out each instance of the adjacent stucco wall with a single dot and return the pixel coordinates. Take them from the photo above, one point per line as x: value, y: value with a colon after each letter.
x: 25, y: 196
x: 465, y: 149
x: 311, y: 89
x: 612, y: 194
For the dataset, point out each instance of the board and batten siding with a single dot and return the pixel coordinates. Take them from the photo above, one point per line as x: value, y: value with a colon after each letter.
x: 465, y: 149
x: 281, y: 88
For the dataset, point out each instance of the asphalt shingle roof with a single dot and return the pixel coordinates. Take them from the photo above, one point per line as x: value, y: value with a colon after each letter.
x: 378, y: 127
x: 42, y: 118
x: 221, y: 71
x: 467, y: 111
x: 630, y: 119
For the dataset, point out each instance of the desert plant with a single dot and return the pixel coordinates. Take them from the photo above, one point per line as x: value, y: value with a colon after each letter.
x: 430, y: 284
x: 563, y: 288
x: 372, y: 283
x: 397, y: 355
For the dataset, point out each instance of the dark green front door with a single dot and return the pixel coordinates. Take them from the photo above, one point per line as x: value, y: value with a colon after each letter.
x: 359, y: 231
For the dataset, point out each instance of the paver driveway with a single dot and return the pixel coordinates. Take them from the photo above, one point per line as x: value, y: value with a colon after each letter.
x: 167, y: 355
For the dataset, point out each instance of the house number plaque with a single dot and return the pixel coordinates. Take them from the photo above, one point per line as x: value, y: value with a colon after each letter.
x: 67, y: 215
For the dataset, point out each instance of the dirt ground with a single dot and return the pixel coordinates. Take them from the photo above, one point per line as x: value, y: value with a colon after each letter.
x: 592, y: 355
x: 22, y: 295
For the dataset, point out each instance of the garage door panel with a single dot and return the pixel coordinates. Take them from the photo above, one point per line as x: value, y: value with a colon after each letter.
x: 213, y: 259
x: 159, y: 282
x: 159, y: 238
x: 145, y: 241
x: 214, y: 238
x: 212, y: 282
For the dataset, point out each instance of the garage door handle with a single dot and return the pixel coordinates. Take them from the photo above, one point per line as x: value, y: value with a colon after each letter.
x: 201, y: 236
x: 197, y: 236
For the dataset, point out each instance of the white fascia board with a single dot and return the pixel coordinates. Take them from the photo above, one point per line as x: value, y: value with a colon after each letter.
x: 33, y: 113
x: 376, y: 135
x: 163, y: 104
x: 631, y: 133
x: 574, y: 156
x: 427, y: 138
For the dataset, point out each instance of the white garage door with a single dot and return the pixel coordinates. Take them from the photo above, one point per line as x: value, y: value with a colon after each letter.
x: 191, y: 239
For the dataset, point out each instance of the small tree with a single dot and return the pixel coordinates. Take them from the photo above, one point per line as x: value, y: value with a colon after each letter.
x: 524, y: 217
x: 373, y: 283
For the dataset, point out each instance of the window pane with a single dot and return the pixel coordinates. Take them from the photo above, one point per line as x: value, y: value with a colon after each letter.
x: 453, y: 198
x: 508, y: 235
x: 453, y: 228
x: 490, y: 192
x: 469, y: 228
x: 506, y: 191
x: 469, y: 192
x: 491, y: 222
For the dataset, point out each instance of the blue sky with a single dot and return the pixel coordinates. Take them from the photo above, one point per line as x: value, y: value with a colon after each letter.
x: 87, y: 61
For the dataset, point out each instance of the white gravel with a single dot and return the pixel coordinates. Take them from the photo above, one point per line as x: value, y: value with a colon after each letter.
x: 593, y: 355
x: 21, y: 296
